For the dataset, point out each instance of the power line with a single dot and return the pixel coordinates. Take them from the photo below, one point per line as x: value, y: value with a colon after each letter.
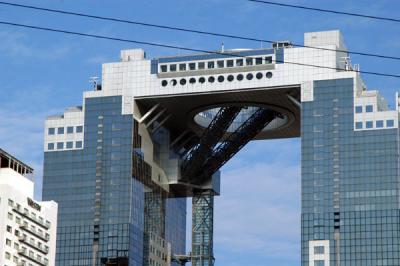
x: 326, y: 10
x: 139, y: 23
x: 182, y: 48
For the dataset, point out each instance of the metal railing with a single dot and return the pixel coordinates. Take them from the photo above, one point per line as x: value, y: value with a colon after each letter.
x: 44, y: 237
x: 26, y: 214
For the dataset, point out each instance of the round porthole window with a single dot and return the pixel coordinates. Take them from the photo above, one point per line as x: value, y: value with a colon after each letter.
x: 240, y: 77
x: 249, y: 76
x: 211, y: 79
x: 230, y: 78
x: 182, y: 81
x: 202, y: 80
x: 269, y: 75
x: 259, y: 75
x: 164, y: 83
x: 173, y: 82
x: 221, y: 79
x: 192, y: 80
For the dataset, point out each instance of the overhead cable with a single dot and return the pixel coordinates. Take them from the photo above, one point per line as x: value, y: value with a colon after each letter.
x: 166, y: 27
x: 184, y: 48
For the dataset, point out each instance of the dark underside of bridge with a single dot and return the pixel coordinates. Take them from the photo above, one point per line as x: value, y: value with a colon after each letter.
x: 205, y: 149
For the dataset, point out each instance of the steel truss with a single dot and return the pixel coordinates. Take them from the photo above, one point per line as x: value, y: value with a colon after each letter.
x: 211, y: 136
x: 237, y: 140
x: 202, y: 228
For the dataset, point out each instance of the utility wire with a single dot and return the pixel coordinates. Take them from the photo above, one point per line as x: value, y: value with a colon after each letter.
x: 188, y: 30
x: 183, y: 48
x: 326, y: 10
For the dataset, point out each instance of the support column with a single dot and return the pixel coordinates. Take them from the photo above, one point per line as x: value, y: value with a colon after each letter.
x: 203, y: 228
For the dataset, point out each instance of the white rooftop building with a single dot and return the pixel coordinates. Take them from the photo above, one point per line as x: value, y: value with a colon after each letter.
x: 27, y: 227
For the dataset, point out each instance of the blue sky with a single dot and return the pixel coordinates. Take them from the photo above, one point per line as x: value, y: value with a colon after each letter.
x: 257, y: 215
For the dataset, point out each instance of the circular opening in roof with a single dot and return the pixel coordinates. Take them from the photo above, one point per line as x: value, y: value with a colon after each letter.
x: 204, y: 118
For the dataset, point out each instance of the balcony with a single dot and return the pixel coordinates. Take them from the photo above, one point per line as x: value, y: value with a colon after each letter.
x: 25, y: 254
x: 44, y: 250
x: 45, y: 225
x: 41, y: 236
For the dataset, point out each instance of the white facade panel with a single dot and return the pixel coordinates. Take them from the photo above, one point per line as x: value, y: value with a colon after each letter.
x: 27, y: 228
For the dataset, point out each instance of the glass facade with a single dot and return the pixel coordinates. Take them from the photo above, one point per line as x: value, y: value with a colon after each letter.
x: 350, y: 182
x: 104, y: 211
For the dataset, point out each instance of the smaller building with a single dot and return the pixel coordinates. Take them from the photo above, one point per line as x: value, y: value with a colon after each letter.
x: 27, y: 228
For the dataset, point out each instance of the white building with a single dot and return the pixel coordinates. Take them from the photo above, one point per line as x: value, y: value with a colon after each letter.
x: 27, y: 227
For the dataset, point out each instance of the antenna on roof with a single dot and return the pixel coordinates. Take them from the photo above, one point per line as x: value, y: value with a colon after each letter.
x: 222, y: 47
x: 95, y: 82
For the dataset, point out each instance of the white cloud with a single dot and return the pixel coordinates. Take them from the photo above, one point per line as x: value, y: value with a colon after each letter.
x: 258, y: 211
x: 16, y: 45
x: 21, y: 134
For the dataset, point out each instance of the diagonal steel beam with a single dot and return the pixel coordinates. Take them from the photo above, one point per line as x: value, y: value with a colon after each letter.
x: 209, y: 139
x: 236, y: 141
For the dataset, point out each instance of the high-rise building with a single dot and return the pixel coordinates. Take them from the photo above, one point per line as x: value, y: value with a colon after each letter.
x: 27, y: 227
x: 156, y: 131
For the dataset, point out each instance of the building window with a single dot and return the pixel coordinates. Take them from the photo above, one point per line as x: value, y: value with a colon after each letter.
x: 221, y: 79
x: 211, y: 79
x: 182, y: 67
x: 319, y: 250
x: 172, y: 68
x: 10, y: 216
x: 10, y: 203
x: 182, y: 82
x: 69, y: 145
x: 239, y: 77
x: 319, y: 263
x: 70, y: 130
x: 268, y: 60
x: 259, y: 75
x: 79, y: 129
x: 249, y: 61
x: 50, y: 146
x: 201, y: 65
x: 390, y: 123
x: 164, y: 83
x: 9, y: 229
x: 230, y: 78
x: 173, y: 82
x: 192, y: 80
x: 60, y: 130
x: 8, y: 242
x: 259, y: 61
x: 202, y: 80
x: 269, y: 75
x: 229, y: 63
x: 60, y: 145
x: 239, y: 62
x: 379, y: 123
x: 78, y: 144
x: 192, y: 66
x: 358, y: 109
x: 164, y: 68
x: 249, y: 76
x: 220, y: 63
x: 8, y: 256
x: 369, y: 108
x: 51, y: 131
x: 369, y: 124
x: 210, y: 65
x: 359, y: 125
